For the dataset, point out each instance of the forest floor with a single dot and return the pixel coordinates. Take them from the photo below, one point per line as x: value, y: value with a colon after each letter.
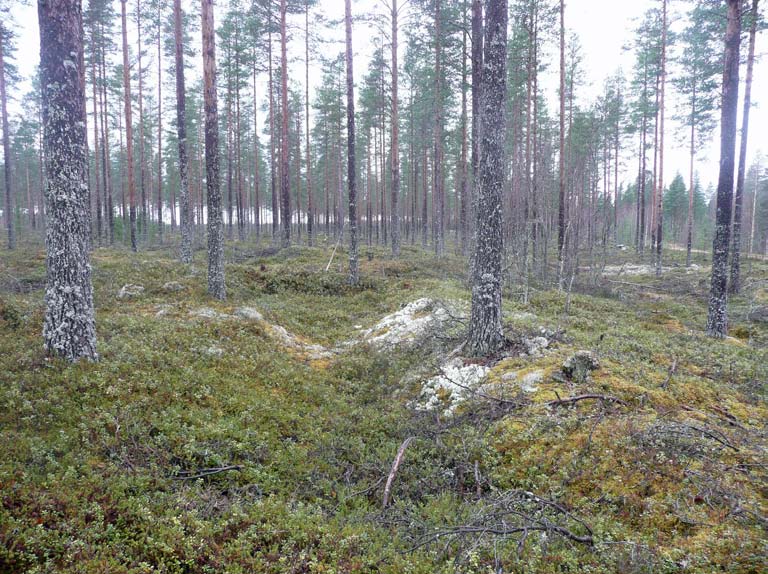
x: 257, y: 435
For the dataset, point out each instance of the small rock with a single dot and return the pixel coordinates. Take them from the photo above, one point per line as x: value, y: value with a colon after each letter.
x: 535, y: 346
x: 526, y: 382
x: 759, y: 315
x: 530, y: 380
x: 162, y: 310
x: 452, y: 386
x: 208, y: 313
x: 214, y: 351
x: 129, y: 291
x: 173, y: 286
x: 578, y: 367
x: 523, y: 316
x: 249, y: 313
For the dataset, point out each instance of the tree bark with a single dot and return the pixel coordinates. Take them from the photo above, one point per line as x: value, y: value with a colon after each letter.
x: 160, y: 127
x: 128, y: 130
x: 660, y: 187
x: 689, y: 222
x: 9, y: 210
x: 485, y: 330
x: 717, y: 320
x: 735, y: 284
x: 310, y: 199
x: 561, y: 162
x: 142, y: 160
x: 395, y: 155
x: 463, y: 183
x: 438, y: 183
x: 216, y: 286
x: 185, y: 253
x: 354, y: 273
x: 69, y: 328
x: 285, y: 192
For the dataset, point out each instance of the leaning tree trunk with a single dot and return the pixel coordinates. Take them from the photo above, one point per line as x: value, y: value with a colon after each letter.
x: 717, y: 320
x: 9, y: 209
x: 735, y: 285
x: 354, y: 273
x: 485, y: 331
x: 69, y: 328
x: 181, y: 131
x: 216, y: 287
x: 128, y: 132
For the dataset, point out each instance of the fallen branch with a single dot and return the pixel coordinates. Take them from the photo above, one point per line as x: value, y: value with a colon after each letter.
x: 638, y: 285
x: 393, y: 471
x: 576, y: 399
x: 204, y: 472
x: 672, y: 371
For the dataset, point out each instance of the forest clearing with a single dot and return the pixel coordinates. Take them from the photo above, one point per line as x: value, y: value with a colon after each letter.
x: 201, y: 442
x: 397, y: 286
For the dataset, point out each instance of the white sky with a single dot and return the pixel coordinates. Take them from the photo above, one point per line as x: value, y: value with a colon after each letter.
x: 603, y: 27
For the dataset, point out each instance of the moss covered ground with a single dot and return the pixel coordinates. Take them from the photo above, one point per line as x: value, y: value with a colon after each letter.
x: 100, y: 463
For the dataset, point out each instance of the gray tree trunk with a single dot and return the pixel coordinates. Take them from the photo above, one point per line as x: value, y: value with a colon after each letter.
x: 69, y: 328
x: 216, y: 287
x: 354, y: 273
x: 395, y: 156
x: 485, y: 330
x: 8, y: 212
x: 735, y: 284
x: 285, y: 191
x: 717, y: 320
x: 181, y: 130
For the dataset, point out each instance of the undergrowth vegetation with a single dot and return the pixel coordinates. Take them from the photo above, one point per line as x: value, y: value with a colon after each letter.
x: 199, y: 445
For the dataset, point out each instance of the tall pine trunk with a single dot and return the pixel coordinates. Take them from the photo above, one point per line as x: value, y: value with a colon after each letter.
x: 660, y: 187
x: 395, y: 156
x: 735, y: 284
x: 9, y: 210
x: 561, y: 154
x: 128, y: 130
x: 717, y: 320
x: 181, y: 132
x: 354, y: 273
x: 69, y: 328
x: 285, y: 192
x: 216, y: 287
x: 310, y: 199
x: 485, y: 330
x: 159, y: 128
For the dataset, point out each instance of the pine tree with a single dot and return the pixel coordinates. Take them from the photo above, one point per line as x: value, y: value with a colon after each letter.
x: 10, y: 211
x: 485, y: 330
x: 128, y: 128
x: 717, y: 320
x: 69, y: 328
x: 181, y: 133
x: 216, y: 285
x: 697, y: 81
x: 735, y: 283
x: 354, y: 272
